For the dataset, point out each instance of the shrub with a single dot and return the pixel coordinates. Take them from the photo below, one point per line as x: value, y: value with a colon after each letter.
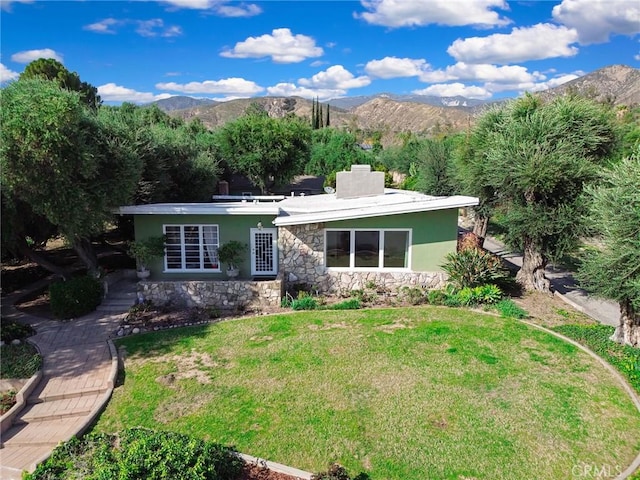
x: 467, y: 297
x: 624, y: 358
x: 338, y: 472
x: 412, y: 295
x: 13, y: 330
x: 19, y: 361
x: 304, y: 303
x: 488, y: 294
x: 472, y: 268
x: 509, y: 309
x: 75, y: 297
x: 140, y: 453
x: 468, y: 240
x: 351, y: 304
x: 436, y: 297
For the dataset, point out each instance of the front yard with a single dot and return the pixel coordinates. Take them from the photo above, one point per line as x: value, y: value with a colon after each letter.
x: 421, y: 392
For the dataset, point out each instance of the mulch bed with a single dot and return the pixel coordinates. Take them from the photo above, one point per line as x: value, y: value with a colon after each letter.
x: 256, y: 472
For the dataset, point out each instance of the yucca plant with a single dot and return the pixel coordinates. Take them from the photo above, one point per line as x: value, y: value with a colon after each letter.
x: 473, y: 267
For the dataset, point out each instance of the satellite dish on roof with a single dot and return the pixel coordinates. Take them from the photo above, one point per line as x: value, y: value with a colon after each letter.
x: 329, y: 190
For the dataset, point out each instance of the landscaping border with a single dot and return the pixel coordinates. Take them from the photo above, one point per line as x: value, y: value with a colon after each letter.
x: 635, y: 465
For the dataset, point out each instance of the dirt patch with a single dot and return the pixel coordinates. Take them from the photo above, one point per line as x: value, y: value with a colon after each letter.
x: 550, y: 310
x: 252, y: 471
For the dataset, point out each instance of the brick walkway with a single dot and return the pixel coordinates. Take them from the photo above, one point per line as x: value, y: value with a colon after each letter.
x: 78, y: 375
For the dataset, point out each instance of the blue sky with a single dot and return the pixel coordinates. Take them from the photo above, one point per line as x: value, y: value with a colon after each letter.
x: 140, y: 51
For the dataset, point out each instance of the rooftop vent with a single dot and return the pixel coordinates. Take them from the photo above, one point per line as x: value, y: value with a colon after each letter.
x: 359, y: 182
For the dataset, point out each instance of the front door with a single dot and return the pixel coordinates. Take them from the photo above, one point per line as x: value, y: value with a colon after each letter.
x: 264, y: 251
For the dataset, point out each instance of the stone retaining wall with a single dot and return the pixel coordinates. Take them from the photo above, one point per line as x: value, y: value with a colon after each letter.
x: 302, y: 260
x: 222, y: 294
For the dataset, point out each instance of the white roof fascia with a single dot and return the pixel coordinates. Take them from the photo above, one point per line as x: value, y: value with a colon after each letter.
x: 248, y: 208
x: 444, y: 203
x: 249, y: 198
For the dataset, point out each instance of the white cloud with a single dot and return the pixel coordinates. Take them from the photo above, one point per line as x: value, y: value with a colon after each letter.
x: 7, y: 75
x: 6, y: 4
x: 394, y: 67
x: 637, y: 57
x: 104, y: 26
x: 111, y: 92
x: 227, y: 86
x: 155, y: 27
x: 596, y: 20
x: 281, y: 46
x: 554, y: 82
x: 410, y: 13
x: 335, y: 77
x: 220, y: 7
x: 540, y: 41
x: 238, y: 10
x: 28, y: 56
x: 291, y: 89
x: 482, y: 73
x: 455, y: 89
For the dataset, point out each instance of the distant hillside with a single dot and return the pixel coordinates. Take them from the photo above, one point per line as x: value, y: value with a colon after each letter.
x: 393, y: 117
x: 618, y: 84
x: 181, y: 102
x: 222, y: 112
x: 349, y: 103
x: 394, y: 114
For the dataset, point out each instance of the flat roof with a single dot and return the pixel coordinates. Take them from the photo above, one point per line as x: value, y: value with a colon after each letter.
x: 326, y: 208
x: 301, y: 210
x: 229, y: 208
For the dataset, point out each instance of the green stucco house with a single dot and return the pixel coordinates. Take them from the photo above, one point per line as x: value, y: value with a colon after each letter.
x: 358, y: 234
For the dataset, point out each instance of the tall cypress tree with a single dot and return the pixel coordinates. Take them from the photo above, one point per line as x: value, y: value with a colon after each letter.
x: 327, y: 122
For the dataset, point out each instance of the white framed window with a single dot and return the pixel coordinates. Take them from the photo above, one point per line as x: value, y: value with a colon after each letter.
x: 191, y: 248
x: 368, y: 249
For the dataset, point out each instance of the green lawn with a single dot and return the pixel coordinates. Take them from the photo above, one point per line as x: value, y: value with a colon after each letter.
x: 399, y: 393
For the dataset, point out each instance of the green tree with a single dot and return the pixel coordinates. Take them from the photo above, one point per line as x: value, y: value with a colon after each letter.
x: 536, y: 158
x: 266, y: 150
x: 333, y: 150
x: 472, y: 165
x: 64, y: 162
x: 435, y: 166
x: 614, y: 271
x: 53, y: 70
x: 180, y: 160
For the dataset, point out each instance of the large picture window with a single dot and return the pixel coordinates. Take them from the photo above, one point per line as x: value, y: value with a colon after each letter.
x: 367, y: 249
x: 191, y: 248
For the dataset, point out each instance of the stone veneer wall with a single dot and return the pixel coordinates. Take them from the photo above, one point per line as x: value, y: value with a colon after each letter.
x: 222, y: 294
x: 302, y: 260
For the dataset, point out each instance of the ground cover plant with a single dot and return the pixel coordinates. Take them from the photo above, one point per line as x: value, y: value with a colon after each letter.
x: 423, y: 392
x: 19, y: 361
x: 140, y: 453
x: 598, y: 339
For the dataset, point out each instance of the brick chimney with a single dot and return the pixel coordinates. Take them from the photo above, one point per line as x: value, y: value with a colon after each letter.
x: 359, y: 182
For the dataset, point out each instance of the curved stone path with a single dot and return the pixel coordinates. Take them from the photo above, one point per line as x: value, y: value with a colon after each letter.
x: 78, y: 375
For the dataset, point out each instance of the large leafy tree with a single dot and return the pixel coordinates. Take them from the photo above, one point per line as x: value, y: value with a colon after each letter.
x: 334, y: 150
x: 267, y: 150
x: 180, y: 160
x: 63, y: 162
x: 614, y: 271
x: 435, y: 166
x: 51, y: 69
x: 472, y: 166
x: 534, y: 159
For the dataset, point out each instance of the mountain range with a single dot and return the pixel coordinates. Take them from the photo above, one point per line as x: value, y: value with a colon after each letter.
x: 392, y: 114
